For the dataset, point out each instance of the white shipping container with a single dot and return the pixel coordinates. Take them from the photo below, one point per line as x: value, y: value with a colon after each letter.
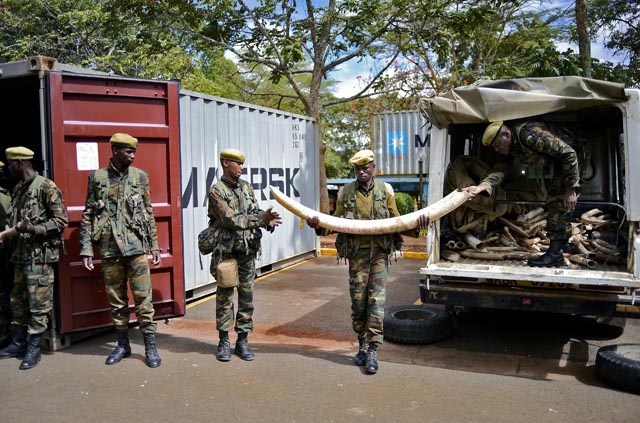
x: 399, y: 142
x: 280, y: 150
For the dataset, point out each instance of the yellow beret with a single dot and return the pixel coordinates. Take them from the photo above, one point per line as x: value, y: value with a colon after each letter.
x: 19, y: 153
x: 232, y: 154
x: 361, y: 158
x: 124, y: 140
x: 491, y: 132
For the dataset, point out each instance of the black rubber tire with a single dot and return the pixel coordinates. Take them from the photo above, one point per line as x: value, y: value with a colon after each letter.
x: 619, y: 366
x: 416, y: 324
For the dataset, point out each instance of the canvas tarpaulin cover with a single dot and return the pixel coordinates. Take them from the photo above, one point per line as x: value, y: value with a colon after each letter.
x: 507, y: 99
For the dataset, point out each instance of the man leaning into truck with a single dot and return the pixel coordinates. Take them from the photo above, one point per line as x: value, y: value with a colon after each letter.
x: 548, y: 149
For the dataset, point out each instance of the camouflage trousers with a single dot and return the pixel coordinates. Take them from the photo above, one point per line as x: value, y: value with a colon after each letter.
x: 135, y: 269
x: 6, y: 285
x: 368, y: 271
x: 558, y: 219
x: 224, y: 298
x: 32, y: 296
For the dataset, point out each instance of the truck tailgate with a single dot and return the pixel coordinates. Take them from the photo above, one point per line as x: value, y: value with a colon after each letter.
x: 499, y: 271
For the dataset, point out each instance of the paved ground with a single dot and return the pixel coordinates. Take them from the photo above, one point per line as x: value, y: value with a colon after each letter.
x: 499, y: 367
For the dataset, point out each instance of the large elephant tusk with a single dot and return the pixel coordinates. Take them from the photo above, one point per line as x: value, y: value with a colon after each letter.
x: 373, y: 227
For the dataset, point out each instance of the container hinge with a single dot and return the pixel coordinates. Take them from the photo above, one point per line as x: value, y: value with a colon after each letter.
x: 42, y: 63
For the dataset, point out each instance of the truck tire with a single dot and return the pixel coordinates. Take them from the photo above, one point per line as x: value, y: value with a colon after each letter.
x: 619, y: 366
x: 416, y: 324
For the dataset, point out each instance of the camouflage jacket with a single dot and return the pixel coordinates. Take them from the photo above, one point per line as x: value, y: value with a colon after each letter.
x: 5, y: 208
x: 541, y: 146
x: 234, y: 216
x: 118, y: 216
x: 39, y: 200
x: 354, y: 202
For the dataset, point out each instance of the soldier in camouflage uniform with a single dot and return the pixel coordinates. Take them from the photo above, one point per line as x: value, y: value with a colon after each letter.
x: 547, y: 149
x: 368, y: 255
x: 118, y: 219
x: 6, y: 269
x: 235, y: 221
x: 39, y: 217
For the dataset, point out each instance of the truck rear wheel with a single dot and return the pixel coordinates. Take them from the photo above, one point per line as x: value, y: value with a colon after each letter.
x: 416, y: 324
x: 619, y: 366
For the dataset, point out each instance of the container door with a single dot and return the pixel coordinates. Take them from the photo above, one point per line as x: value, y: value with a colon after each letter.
x: 84, y: 111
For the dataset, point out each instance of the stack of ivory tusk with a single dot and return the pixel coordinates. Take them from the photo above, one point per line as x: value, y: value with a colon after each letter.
x: 525, y: 238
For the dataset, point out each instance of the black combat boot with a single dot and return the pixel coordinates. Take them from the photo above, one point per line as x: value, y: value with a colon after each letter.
x: 151, y: 351
x: 18, y: 345
x: 361, y: 358
x: 242, y: 347
x: 224, y: 346
x: 32, y: 357
x: 372, y: 359
x: 122, y: 350
x: 552, y: 258
x: 5, y: 335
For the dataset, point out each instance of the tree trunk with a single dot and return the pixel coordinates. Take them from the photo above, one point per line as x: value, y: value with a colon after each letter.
x: 324, y: 194
x: 584, y: 43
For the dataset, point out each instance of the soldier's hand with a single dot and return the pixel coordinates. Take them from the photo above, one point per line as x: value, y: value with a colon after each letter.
x: 25, y: 228
x: 87, y: 262
x: 474, y: 190
x: 423, y: 221
x: 570, y: 199
x: 156, y: 258
x: 272, y: 217
x: 313, y: 222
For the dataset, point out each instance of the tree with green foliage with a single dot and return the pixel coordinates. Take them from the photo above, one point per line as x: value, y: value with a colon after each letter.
x: 404, y: 202
x: 290, y: 39
x: 97, y: 35
x: 457, y: 42
x: 620, y: 22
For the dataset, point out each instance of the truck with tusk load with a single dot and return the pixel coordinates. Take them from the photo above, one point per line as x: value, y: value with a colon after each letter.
x: 477, y: 256
x: 480, y: 260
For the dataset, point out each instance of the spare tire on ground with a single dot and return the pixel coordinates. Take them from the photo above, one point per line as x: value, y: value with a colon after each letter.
x: 619, y: 366
x: 416, y: 324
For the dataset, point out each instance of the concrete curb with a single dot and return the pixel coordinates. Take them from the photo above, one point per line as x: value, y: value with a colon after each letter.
x: 414, y: 255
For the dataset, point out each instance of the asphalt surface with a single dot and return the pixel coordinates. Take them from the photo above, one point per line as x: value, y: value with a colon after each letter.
x: 498, y: 367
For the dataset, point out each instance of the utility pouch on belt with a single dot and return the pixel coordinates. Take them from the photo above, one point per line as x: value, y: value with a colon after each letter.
x: 227, y: 273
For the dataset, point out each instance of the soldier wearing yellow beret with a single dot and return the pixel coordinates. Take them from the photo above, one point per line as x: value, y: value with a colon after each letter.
x: 361, y: 158
x: 123, y: 140
x: 40, y: 217
x: 541, y: 146
x: 490, y: 133
x: 235, y: 220
x: 18, y: 153
x: 232, y: 154
x: 125, y: 235
x: 368, y: 255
